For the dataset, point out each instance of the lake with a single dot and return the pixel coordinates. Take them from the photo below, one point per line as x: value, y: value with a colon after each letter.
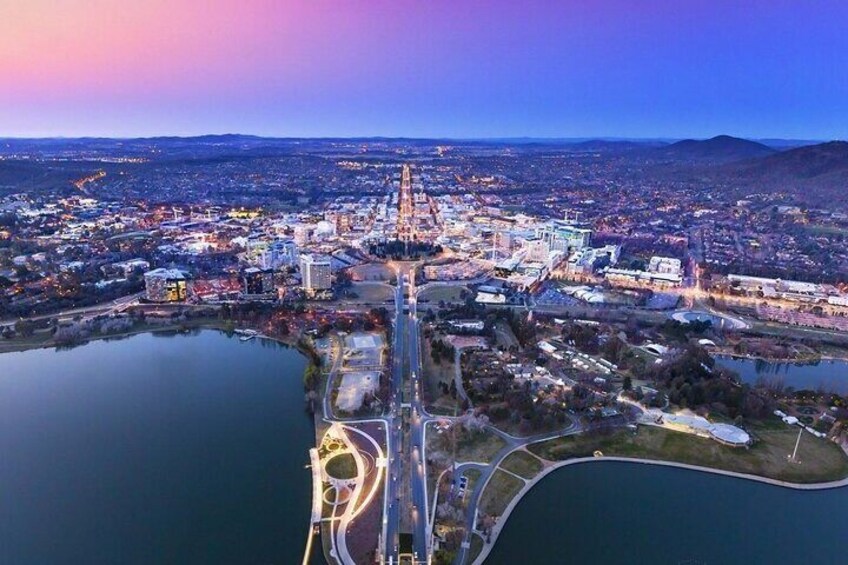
x: 627, y: 513
x: 830, y: 374
x: 154, y: 449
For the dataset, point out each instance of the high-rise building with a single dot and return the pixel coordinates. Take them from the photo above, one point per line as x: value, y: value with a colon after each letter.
x: 256, y: 282
x: 316, y: 271
x: 302, y: 234
x: 343, y: 223
x: 562, y: 235
x: 282, y: 253
x: 165, y: 285
x: 504, y: 241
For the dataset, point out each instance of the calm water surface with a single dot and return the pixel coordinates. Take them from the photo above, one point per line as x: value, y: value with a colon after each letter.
x: 154, y: 449
x: 828, y: 374
x: 626, y: 513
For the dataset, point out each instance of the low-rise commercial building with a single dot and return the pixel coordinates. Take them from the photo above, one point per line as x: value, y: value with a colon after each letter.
x: 256, y: 282
x: 165, y: 285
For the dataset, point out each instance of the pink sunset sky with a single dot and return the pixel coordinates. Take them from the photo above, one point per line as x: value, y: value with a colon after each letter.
x: 418, y: 68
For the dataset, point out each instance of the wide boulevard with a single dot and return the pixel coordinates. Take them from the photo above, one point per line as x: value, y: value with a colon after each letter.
x: 406, y: 518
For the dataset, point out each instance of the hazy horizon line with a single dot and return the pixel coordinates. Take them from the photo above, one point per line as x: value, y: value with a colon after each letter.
x: 525, y: 138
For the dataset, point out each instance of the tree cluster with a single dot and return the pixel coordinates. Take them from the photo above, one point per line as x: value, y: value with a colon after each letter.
x: 441, y: 351
x: 692, y: 381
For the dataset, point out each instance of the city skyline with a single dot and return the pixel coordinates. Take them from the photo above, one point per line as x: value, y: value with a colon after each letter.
x: 423, y: 282
x: 435, y: 70
x: 458, y: 321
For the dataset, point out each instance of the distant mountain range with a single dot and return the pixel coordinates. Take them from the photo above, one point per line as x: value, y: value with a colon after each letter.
x: 816, y: 173
x: 811, y: 161
x: 719, y: 149
x: 814, y: 170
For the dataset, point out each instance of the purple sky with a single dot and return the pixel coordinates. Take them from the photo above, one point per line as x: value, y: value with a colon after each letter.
x: 459, y: 68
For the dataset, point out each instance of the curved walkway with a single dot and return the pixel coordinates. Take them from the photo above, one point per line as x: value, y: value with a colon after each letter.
x: 496, y: 530
x: 735, y: 322
x: 457, y: 376
x: 350, y: 508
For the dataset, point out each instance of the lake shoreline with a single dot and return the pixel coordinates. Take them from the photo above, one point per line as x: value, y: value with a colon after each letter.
x: 828, y: 374
x: 142, y: 406
x: 776, y: 360
x: 206, y: 324
x: 504, y: 518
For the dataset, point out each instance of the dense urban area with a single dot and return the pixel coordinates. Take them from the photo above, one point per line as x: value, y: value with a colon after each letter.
x: 476, y: 314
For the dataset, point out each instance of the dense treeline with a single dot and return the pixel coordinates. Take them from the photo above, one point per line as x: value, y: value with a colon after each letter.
x: 693, y: 381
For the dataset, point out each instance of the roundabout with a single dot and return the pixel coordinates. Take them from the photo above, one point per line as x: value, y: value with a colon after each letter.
x: 717, y: 320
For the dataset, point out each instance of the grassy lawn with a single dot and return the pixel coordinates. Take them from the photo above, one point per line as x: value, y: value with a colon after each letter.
x: 433, y: 443
x: 436, y: 293
x: 473, y: 476
x: 504, y: 336
x: 522, y: 464
x: 820, y: 460
x: 435, y: 373
x: 475, y: 549
x: 648, y: 358
x: 341, y: 466
x: 372, y: 292
x: 41, y: 338
x: 499, y: 492
x: 480, y: 447
x: 443, y: 557
x: 443, y: 407
x: 515, y: 428
x: 372, y: 272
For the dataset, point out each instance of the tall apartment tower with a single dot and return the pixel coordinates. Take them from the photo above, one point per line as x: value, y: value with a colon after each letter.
x: 316, y: 273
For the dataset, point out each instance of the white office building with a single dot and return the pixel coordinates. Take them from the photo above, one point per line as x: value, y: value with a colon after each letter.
x: 316, y: 272
x: 561, y: 235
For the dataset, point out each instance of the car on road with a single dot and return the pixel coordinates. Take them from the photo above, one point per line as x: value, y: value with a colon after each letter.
x: 463, y: 484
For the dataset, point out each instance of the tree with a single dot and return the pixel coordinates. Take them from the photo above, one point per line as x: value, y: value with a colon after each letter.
x: 310, y: 376
x: 343, y: 279
x: 24, y: 328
